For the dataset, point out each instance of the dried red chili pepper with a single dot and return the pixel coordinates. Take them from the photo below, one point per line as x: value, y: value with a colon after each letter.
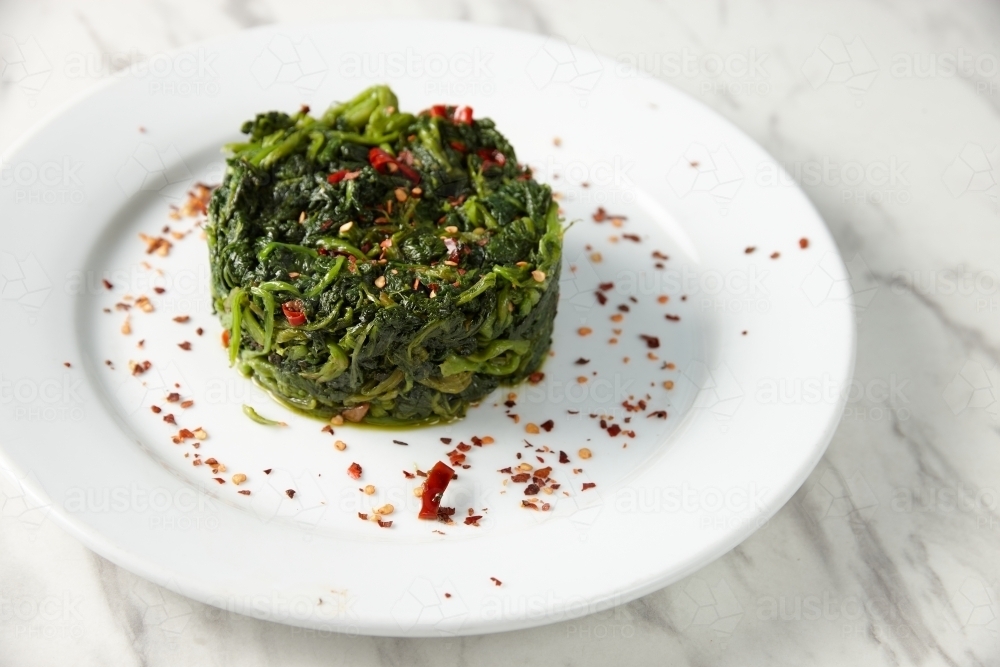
x: 437, y: 481
x: 379, y: 159
x: 409, y: 172
x: 385, y: 163
x: 463, y: 115
x: 293, y: 312
x: 438, y: 111
x: 336, y: 177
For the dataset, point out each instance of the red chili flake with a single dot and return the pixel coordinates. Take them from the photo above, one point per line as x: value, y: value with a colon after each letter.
x: 536, y: 377
x: 529, y: 505
x: 659, y: 255
x: 476, y: 440
x: 600, y: 215
x: 660, y: 414
x: 156, y: 409
x: 400, y: 442
x: 170, y: 419
x: 588, y: 485
x: 543, y: 473
x: 186, y: 346
x: 293, y: 312
x: 141, y: 367
x: 531, y: 490
x: 219, y: 480
x: 245, y: 492
x: 473, y: 520
x: 547, y: 425
x: 496, y: 581
x: 775, y: 255
x: 520, y: 477
x: 290, y: 493
x: 362, y: 516
x: 563, y: 457
x: 606, y: 287
x: 652, y: 342
x: 750, y: 249
x: 107, y: 284
x: 614, y: 430
x: 182, y: 318
x: 446, y: 441
x: 632, y: 237
x: 187, y: 404
x: 601, y: 299
x: 408, y: 475
x: 506, y: 470
x: 159, y: 290
x: 462, y: 447
x: 384, y: 524
x: 582, y: 362
x: 437, y: 481
x: 623, y: 308
x: 803, y: 243
x: 336, y: 177
x: 673, y: 318
x: 447, y: 595
x: 267, y: 472
x: 173, y: 397
x: 354, y: 471
x: 510, y: 404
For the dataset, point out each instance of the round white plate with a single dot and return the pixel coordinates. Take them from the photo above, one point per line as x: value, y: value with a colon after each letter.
x: 757, y: 362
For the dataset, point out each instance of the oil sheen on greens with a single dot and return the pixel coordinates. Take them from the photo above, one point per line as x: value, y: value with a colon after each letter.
x: 390, y: 294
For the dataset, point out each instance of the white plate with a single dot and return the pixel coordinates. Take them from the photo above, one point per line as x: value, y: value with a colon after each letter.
x: 749, y: 414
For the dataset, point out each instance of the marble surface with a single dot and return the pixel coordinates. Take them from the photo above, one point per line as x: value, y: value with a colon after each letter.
x: 888, y: 114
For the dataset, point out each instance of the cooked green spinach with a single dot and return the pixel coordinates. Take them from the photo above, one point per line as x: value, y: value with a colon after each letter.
x: 380, y: 266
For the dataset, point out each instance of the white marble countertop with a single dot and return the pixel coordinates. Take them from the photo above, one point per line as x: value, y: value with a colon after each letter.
x: 888, y: 114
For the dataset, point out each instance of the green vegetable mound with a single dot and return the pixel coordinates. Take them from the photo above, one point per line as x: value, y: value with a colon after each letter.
x: 380, y: 266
